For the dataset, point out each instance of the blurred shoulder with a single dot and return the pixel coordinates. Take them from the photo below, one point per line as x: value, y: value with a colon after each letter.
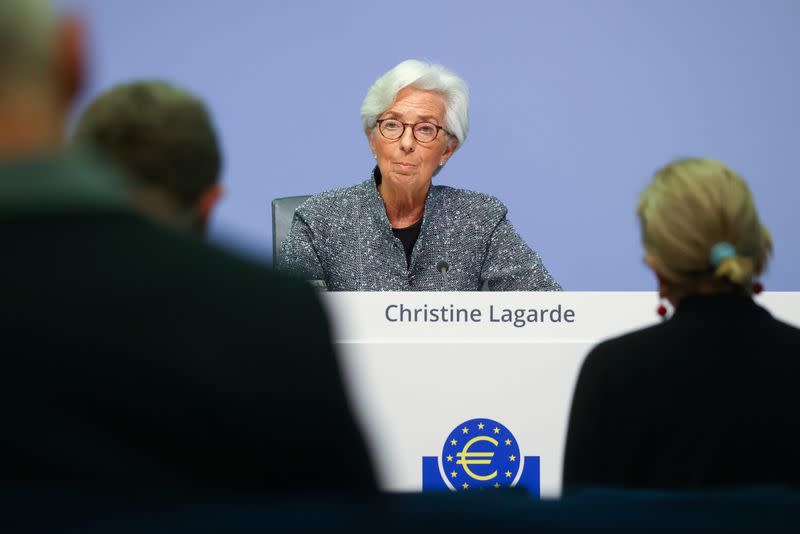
x: 191, y: 261
x: 624, y: 353
x: 782, y: 332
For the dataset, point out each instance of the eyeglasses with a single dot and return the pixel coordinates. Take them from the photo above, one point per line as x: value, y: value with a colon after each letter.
x: 424, y: 132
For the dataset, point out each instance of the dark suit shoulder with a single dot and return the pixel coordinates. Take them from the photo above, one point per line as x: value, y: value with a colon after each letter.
x: 196, y: 261
x: 785, y: 330
x: 625, y: 347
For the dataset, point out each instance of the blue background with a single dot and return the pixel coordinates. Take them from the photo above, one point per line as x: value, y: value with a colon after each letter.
x: 574, y: 104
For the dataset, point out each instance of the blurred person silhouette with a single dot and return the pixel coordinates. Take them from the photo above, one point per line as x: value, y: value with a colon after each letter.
x: 707, y: 398
x: 136, y: 357
x: 164, y: 137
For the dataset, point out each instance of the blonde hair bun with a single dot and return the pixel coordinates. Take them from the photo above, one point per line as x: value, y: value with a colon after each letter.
x: 693, y: 206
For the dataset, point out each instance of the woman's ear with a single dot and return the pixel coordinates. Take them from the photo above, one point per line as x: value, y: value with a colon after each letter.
x: 663, y: 283
x: 650, y: 261
x: 452, y: 145
x: 368, y: 133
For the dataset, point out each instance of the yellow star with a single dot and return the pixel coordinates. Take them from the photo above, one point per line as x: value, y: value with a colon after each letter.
x: 512, y: 458
x: 496, y: 430
x: 453, y: 474
x: 465, y: 430
x: 508, y: 474
x: 465, y: 486
x: 496, y: 484
x: 453, y: 442
x: 480, y: 426
x: 508, y: 442
x: 449, y: 458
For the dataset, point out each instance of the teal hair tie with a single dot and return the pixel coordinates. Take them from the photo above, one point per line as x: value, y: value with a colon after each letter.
x: 720, y: 251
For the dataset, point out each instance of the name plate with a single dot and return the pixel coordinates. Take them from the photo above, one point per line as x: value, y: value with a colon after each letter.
x: 421, y: 366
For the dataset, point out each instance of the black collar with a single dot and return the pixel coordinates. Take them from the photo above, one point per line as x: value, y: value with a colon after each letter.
x: 724, y: 304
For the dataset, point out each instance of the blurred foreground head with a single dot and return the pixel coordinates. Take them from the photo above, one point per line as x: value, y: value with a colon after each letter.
x: 163, y: 136
x: 41, y: 72
x: 701, y: 230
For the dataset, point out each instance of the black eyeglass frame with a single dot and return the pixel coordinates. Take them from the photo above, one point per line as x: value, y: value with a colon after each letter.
x: 413, y: 130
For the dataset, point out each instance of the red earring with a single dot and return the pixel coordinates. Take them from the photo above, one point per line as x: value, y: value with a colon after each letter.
x: 758, y: 287
x: 661, y: 310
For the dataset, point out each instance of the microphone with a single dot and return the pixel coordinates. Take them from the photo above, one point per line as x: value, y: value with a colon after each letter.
x: 443, y: 267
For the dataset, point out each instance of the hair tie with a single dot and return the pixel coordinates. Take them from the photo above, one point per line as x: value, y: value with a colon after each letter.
x: 720, y: 251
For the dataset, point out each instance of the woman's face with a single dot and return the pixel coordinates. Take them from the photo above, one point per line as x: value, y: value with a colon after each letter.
x: 406, y: 162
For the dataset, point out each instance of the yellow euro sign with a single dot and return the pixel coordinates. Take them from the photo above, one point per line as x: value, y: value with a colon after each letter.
x: 467, y: 458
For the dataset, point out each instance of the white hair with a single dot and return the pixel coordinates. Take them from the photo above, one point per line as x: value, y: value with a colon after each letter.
x: 422, y: 75
x: 26, y: 37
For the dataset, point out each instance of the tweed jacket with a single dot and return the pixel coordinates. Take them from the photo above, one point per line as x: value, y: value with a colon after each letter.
x: 343, y: 237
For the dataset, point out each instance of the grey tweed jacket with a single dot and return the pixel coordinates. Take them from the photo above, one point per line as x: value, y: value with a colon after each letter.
x: 344, y: 238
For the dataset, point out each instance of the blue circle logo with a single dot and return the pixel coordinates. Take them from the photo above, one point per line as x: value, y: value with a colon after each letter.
x: 480, y: 454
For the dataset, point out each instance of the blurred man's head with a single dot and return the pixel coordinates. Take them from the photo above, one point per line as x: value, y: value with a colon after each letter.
x: 41, y: 72
x: 163, y: 137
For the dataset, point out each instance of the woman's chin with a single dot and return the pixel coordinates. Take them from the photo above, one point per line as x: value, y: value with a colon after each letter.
x: 410, y: 179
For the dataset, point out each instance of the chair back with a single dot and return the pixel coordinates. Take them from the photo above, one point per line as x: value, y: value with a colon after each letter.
x: 282, y: 215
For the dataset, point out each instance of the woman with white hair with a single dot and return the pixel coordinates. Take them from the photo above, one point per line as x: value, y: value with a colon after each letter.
x: 707, y: 398
x: 396, y: 231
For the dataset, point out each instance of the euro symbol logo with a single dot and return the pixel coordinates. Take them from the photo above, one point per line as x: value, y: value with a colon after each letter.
x: 466, y: 458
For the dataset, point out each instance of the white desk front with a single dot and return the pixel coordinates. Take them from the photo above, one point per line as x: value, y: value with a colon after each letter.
x: 419, y: 365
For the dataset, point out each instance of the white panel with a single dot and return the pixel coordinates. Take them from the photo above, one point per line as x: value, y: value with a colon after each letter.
x: 412, y: 383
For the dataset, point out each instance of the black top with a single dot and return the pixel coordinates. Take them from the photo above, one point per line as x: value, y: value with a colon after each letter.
x: 408, y: 236
x: 138, y: 358
x: 708, y: 398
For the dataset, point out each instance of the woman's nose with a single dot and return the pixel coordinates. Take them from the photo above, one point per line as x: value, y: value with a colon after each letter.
x: 407, y: 140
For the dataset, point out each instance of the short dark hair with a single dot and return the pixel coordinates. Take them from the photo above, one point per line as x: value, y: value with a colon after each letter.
x: 161, y: 134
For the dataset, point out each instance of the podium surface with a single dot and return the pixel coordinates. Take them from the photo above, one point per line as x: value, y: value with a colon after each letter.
x: 420, y: 366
